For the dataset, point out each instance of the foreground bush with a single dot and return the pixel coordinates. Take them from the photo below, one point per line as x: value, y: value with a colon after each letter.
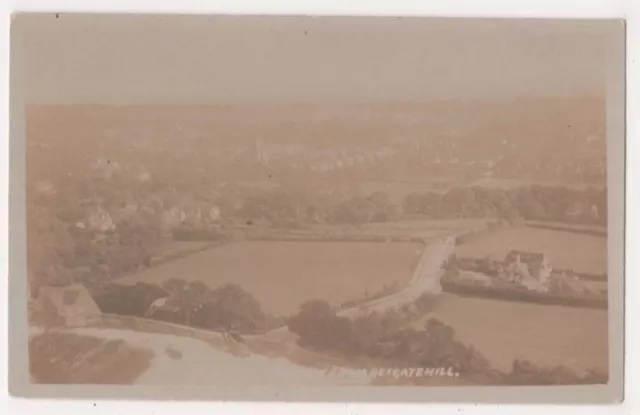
x: 230, y: 306
x: 190, y: 303
x: 128, y: 300
x: 382, y: 337
x: 319, y: 327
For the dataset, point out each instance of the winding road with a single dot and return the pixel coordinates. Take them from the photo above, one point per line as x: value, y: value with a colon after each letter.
x: 236, y: 362
x: 425, y: 279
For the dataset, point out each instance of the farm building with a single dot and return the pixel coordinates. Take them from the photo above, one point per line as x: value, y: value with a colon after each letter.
x: 529, y: 268
x: 71, y: 306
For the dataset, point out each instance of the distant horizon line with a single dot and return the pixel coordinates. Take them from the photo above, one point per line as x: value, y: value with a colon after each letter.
x: 373, y: 102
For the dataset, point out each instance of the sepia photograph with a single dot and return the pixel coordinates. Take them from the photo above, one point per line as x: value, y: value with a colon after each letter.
x: 349, y: 203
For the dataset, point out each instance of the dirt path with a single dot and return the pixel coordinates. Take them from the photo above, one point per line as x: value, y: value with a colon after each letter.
x: 271, y: 358
x: 426, y: 278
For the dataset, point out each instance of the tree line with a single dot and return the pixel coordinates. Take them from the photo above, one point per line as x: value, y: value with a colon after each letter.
x: 559, y: 292
x: 189, y: 303
x: 62, y: 253
x: 536, y: 203
x: 389, y: 340
x: 282, y: 207
x: 557, y: 204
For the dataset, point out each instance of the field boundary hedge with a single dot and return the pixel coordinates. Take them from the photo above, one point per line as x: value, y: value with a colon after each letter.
x: 521, y: 295
x: 570, y: 229
x: 163, y: 259
x: 292, y: 238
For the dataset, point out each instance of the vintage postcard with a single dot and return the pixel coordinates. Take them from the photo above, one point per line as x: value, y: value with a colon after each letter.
x: 317, y: 208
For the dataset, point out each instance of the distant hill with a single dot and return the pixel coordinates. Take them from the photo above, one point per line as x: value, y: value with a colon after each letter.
x: 559, y: 139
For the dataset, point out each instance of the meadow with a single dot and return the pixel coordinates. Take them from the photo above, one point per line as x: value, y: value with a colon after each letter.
x: 546, y: 335
x: 283, y: 274
x: 565, y: 250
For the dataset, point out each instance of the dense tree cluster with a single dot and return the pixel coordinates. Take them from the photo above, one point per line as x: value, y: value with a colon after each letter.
x: 386, y: 339
x: 63, y: 253
x: 559, y: 292
x: 288, y: 209
x: 190, y: 303
x: 538, y: 203
x: 485, y: 265
x: 65, y: 248
x: 127, y: 300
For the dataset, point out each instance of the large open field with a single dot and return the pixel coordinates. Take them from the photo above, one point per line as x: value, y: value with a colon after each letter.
x: 566, y: 250
x: 546, y: 335
x: 282, y: 275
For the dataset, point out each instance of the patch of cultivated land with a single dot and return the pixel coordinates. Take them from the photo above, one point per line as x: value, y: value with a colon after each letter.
x: 566, y: 250
x: 282, y: 274
x: 546, y: 335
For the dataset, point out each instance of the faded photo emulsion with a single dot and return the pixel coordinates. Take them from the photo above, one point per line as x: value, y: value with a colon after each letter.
x: 332, y: 204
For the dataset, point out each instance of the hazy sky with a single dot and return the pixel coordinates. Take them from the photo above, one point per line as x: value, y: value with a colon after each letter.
x: 126, y: 59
